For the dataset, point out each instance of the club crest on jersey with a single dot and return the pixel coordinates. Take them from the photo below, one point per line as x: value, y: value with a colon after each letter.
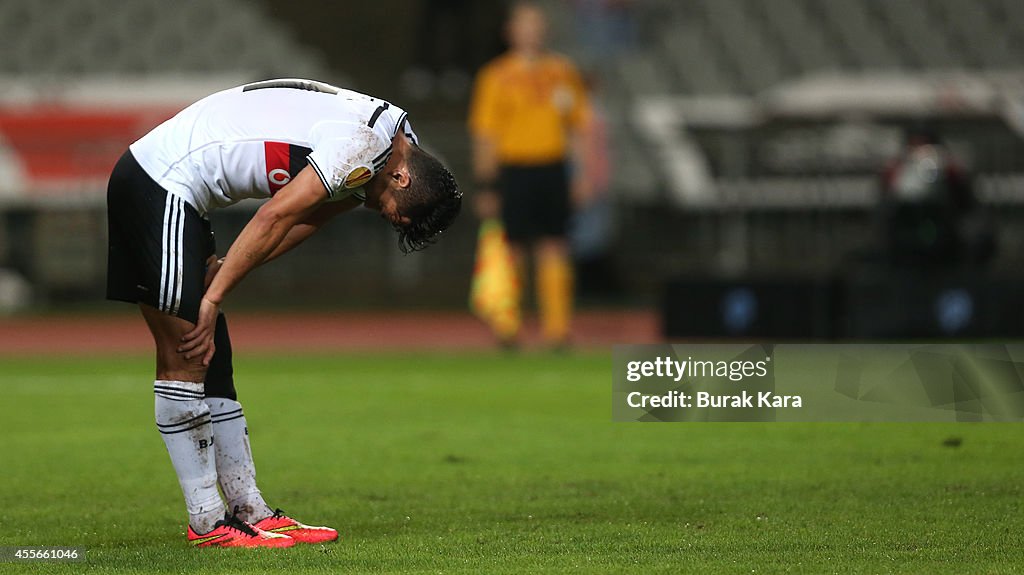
x: 358, y: 177
x: 284, y: 162
x: 278, y: 177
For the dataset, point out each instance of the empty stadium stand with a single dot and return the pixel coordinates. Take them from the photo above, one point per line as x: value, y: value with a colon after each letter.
x: 111, y: 36
x: 745, y: 46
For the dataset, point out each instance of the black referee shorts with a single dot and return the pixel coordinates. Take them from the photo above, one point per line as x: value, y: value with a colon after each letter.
x: 534, y: 201
x: 159, y: 244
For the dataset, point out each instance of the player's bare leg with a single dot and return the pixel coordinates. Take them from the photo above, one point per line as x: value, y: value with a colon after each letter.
x: 183, y: 419
x: 167, y: 331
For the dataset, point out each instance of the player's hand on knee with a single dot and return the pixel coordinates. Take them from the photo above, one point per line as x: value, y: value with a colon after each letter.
x: 199, y: 342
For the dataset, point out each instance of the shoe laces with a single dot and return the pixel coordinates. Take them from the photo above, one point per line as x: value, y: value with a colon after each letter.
x: 232, y: 521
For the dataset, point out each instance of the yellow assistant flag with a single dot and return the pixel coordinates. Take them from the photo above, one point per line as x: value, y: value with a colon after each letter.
x: 494, y: 291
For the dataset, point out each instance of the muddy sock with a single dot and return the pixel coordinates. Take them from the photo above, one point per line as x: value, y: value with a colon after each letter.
x: 235, y: 469
x: 183, y: 419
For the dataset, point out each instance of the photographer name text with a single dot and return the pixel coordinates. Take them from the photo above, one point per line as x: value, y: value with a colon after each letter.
x: 663, y: 369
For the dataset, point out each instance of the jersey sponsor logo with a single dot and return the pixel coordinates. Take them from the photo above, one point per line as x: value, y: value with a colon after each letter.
x: 284, y: 162
x: 358, y: 177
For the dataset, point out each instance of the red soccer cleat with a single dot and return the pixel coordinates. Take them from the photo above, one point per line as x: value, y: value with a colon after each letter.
x: 280, y: 523
x: 233, y: 532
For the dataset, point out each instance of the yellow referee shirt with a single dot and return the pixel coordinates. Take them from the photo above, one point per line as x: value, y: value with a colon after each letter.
x: 527, y: 108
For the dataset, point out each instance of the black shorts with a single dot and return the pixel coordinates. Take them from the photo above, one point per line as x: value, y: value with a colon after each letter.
x: 535, y: 201
x: 158, y: 246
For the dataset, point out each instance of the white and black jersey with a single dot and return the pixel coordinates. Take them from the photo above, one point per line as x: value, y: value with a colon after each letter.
x: 250, y: 141
x: 246, y: 142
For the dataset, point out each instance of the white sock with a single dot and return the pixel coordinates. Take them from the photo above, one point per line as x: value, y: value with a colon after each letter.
x: 235, y: 469
x: 184, y: 422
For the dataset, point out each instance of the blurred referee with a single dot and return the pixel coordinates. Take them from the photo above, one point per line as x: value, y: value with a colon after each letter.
x: 528, y: 117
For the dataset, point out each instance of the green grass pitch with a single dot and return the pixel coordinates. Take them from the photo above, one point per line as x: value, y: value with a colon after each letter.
x: 499, y: 464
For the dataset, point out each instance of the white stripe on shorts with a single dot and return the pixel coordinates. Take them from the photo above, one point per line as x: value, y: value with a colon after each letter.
x: 171, y: 271
x: 165, y: 249
x: 179, y: 252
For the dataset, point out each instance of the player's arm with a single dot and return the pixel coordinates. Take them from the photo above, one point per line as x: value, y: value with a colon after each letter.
x: 295, y: 236
x: 295, y: 203
x: 265, y: 232
x: 303, y: 230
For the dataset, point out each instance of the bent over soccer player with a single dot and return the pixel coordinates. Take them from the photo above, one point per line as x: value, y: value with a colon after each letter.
x: 316, y: 151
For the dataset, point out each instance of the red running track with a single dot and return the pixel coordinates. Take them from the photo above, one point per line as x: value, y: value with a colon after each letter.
x: 322, y: 332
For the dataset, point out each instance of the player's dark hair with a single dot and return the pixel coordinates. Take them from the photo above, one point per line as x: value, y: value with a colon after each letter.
x: 432, y: 201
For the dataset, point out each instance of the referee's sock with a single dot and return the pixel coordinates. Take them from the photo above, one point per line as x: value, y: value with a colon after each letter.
x: 554, y: 296
x: 235, y: 469
x: 184, y: 423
